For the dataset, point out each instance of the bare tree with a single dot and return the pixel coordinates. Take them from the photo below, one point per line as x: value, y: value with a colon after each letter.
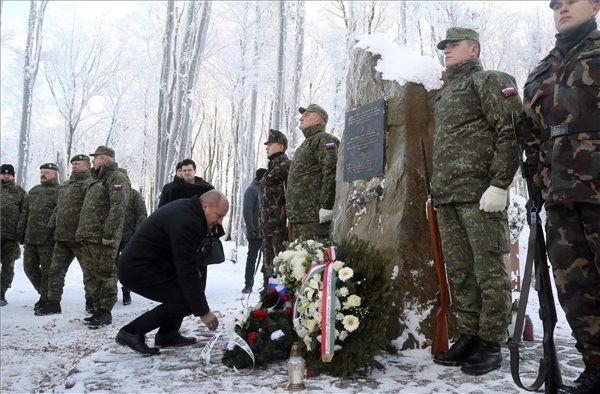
x: 297, y: 77
x: 30, y: 71
x: 280, y: 87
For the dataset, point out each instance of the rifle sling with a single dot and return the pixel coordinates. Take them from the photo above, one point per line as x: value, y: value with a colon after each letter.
x: 516, y: 338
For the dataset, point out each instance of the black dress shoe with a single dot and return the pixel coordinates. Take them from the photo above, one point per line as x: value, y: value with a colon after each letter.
x: 100, y: 319
x: 458, y: 352
x: 136, y: 342
x: 247, y: 290
x: 48, y: 308
x: 172, y: 340
x: 3, y: 299
x: 484, y: 359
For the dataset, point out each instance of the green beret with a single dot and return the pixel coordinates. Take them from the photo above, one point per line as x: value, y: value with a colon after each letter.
x: 104, y: 150
x: 49, y: 166
x: 80, y: 157
x: 458, y: 34
x: 317, y: 109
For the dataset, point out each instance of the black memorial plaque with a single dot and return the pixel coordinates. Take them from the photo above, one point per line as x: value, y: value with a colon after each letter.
x: 364, y: 138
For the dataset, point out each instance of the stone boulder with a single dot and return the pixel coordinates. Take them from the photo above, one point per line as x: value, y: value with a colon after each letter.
x: 389, y: 211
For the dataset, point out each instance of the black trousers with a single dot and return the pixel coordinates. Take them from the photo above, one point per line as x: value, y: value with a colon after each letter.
x: 167, y: 317
x: 254, y: 246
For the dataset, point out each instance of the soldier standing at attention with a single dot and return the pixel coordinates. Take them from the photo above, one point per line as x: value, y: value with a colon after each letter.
x: 100, y: 228
x: 34, y: 230
x: 561, y: 132
x: 12, y: 199
x: 273, y: 214
x: 311, y: 182
x: 475, y: 157
x: 64, y: 221
x: 251, y: 210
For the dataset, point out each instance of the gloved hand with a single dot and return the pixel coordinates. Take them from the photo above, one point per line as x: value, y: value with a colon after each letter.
x: 493, y: 199
x: 325, y: 215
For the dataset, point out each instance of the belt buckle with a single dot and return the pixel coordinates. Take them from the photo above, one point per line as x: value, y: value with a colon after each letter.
x: 557, y: 130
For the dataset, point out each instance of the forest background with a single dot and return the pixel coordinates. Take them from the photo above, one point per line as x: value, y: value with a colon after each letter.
x: 163, y: 80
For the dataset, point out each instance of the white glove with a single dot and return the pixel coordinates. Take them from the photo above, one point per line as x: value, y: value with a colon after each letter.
x: 325, y: 215
x: 493, y: 199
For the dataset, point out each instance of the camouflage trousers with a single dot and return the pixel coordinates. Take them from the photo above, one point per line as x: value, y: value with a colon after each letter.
x: 62, y: 257
x: 272, y: 245
x: 100, y: 263
x: 36, y: 264
x: 474, y: 245
x: 311, y: 230
x: 8, y: 254
x: 573, y: 232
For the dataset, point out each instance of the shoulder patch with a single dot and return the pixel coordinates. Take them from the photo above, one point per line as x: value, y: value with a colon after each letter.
x: 118, y: 187
x: 330, y: 145
x: 509, y: 91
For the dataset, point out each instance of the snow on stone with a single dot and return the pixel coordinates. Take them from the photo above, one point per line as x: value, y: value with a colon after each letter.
x: 402, y: 64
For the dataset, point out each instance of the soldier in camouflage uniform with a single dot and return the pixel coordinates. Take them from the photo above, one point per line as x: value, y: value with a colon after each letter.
x: 561, y: 132
x: 38, y: 236
x: 311, y: 181
x: 100, y: 228
x: 475, y: 157
x: 64, y: 221
x: 272, y: 199
x: 12, y: 199
x: 135, y: 215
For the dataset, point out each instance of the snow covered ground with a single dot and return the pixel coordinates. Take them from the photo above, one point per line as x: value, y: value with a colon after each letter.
x: 59, y: 353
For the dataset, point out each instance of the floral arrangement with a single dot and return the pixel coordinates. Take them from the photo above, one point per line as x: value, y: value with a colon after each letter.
x: 291, y: 264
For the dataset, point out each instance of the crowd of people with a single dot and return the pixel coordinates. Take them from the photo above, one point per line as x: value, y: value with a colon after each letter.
x: 481, y: 129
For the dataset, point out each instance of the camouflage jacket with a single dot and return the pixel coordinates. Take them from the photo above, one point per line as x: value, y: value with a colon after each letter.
x: 272, y: 195
x: 104, y: 206
x: 65, y: 218
x: 311, y: 178
x: 135, y: 215
x: 38, y: 207
x: 12, y: 199
x: 475, y: 143
x: 565, y: 92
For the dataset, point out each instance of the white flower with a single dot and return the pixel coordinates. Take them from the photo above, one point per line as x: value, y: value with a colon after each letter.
x: 298, y: 272
x: 352, y: 302
x: 310, y: 325
x: 307, y: 340
x: 338, y: 265
x: 350, y: 322
x: 319, y: 338
x: 343, y: 335
x: 339, y: 316
x: 336, y: 348
x: 342, y: 292
x: 276, y: 335
x: 345, y: 273
x: 230, y: 345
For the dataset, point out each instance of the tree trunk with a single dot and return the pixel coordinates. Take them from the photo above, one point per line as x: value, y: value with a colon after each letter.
x: 280, y: 87
x: 293, y: 131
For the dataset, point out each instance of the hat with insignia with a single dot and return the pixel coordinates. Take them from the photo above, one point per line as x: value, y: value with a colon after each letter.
x: 7, y: 169
x: 316, y: 109
x: 458, y: 34
x: 80, y: 157
x: 104, y: 150
x: 49, y: 166
x: 276, y: 136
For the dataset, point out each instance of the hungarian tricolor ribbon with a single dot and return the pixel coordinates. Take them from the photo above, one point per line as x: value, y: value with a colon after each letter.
x: 328, y: 303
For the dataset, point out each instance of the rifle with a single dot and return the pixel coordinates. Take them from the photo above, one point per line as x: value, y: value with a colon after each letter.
x: 440, y: 331
x: 549, y: 370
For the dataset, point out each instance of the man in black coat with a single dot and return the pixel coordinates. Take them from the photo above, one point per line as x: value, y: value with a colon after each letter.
x: 251, y: 209
x: 166, y: 190
x: 189, y: 186
x: 163, y: 261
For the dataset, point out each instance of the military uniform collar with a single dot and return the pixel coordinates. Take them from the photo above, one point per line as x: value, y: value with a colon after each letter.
x: 79, y: 175
x: 51, y: 182
x: 105, y: 169
x: 463, y: 68
x: 313, y: 130
x: 8, y: 184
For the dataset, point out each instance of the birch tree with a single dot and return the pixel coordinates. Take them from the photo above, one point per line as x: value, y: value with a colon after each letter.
x: 30, y: 71
x: 280, y: 87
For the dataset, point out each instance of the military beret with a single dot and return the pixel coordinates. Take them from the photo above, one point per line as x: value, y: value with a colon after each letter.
x: 276, y: 136
x: 49, y: 166
x: 104, y: 150
x: 317, y: 109
x: 80, y: 157
x: 7, y: 169
x: 458, y: 34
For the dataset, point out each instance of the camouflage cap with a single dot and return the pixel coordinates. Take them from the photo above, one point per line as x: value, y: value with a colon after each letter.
x: 104, y: 150
x: 49, y: 166
x: 458, y: 34
x: 317, y: 109
x: 7, y: 169
x: 553, y: 3
x: 276, y: 136
x: 80, y: 157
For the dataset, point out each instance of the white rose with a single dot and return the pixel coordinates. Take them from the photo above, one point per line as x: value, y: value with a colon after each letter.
x: 345, y: 273
x: 352, y: 302
x: 338, y: 265
x: 350, y: 322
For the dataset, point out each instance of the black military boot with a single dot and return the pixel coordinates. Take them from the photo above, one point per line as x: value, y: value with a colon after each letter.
x: 48, y: 308
x: 3, y: 298
x: 100, y: 319
x: 126, y: 296
x: 174, y: 339
x: 89, y: 307
x: 38, y: 304
x: 484, y: 359
x: 135, y: 341
x: 587, y: 383
x: 458, y: 352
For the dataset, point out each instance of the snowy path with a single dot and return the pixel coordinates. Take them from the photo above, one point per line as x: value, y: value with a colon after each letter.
x: 58, y: 353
